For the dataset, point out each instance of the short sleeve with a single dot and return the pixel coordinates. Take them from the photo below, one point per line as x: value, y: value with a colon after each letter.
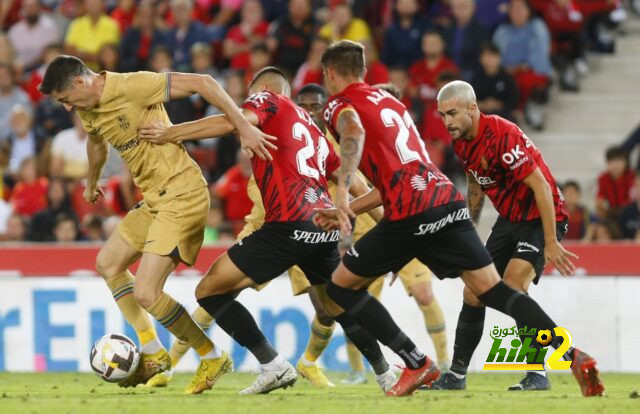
x: 263, y: 104
x: 517, y: 154
x: 332, y: 111
x: 88, y: 125
x: 147, y: 88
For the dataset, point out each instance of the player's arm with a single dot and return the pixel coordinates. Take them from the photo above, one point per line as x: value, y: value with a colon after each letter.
x: 553, y: 250
x: 97, y: 152
x: 360, y: 189
x: 475, y: 198
x: 186, y: 84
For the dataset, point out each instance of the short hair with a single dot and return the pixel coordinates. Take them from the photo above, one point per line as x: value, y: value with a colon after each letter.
x: 614, y: 153
x: 572, y: 183
x: 490, y: 47
x: 61, y: 72
x: 391, y: 88
x: 432, y: 31
x: 260, y: 47
x: 345, y: 57
x: 200, y: 47
x: 457, y: 89
x: 269, y: 70
x: 314, y: 88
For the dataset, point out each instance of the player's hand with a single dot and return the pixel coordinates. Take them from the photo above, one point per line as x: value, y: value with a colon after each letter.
x: 326, y: 219
x: 92, y: 194
x: 560, y: 257
x: 156, y: 132
x: 343, y: 210
x: 255, y: 142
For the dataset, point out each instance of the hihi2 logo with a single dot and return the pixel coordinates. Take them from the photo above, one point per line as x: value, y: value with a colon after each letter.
x: 527, y: 352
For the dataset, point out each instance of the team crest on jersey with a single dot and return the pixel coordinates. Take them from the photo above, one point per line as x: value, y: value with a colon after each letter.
x: 123, y: 122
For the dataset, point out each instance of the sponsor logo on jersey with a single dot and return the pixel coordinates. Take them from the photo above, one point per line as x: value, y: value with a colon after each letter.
x: 513, y: 155
x: 127, y: 145
x: 315, y: 237
x: 310, y: 195
x: 431, y: 228
x: 486, y: 181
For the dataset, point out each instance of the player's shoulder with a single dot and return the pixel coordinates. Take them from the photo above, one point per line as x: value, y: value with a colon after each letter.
x: 263, y: 97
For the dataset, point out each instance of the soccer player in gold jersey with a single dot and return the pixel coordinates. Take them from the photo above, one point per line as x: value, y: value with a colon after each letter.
x: 167, y: 226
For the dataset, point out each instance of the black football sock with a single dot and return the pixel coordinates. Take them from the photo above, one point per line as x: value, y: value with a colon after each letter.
x: 374, y: 318
x: 519, y: 306
x: 468, y: 335
x: 365, y: 343
x: 236, y: 320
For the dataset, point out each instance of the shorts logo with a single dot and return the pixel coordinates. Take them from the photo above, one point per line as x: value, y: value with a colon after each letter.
x: 315, y: 237
x: 459, y: 215
x: 352, y: 252
x: 310, y: 195
x: 524, y: 247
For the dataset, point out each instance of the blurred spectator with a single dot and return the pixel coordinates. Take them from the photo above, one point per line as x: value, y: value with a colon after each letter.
x: 491, y: 13
x: 496, y: 91
x: 7, y: 54
x: 10, y: 96
x: 343, y: 25
x: 91, y: 228
x: 34, y: 79
x: 215, y: 220
x: 16, y: 228
x: 202, y: 63
x: 5, y: 213
x: 124, y: 14
x: 121, y: 194
x: 50, y: 118
x: 524, y: 44
x: 22, y: 138
x: 376, y: 71
x: 614, y: 185
x: 65, y: 229
x: 69, y: 152
x: 179, y: 110
x: 109, y: 225
x: 630, y: 215
x: 259, y: 57
x: 464, y: 37
x: 42, y: 223
x: 290, y: 37
x: 109, y: 58
x: 399, y: 76
x: 29, y: 195
x: 185, y: 34
x: 88, y: 33
x: 579, y: 217
x: 424, y: 72
x: 231, y: 188
x: 401, y: 45
x: 32, y: 34
x: 252, y: 29
x: 141, y: 38
x: 9, y: 13
x: 311, y: 70
x: 4, y: 166
x: 601, y: 231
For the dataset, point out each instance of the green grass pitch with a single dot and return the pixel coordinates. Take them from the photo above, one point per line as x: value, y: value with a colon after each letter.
x: 54, y: 393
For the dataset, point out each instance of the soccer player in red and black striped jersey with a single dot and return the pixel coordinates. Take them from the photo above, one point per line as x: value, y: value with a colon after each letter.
x: 502, y: 163
x: 425, y: 217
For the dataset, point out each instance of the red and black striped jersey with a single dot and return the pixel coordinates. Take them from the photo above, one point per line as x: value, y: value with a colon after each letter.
x: 500, y: 157
x: 394, y: 157
x: 294, y: 183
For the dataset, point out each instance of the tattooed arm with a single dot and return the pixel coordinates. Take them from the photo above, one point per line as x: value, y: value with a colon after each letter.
x: 351, y: 134
x: 475, y: 198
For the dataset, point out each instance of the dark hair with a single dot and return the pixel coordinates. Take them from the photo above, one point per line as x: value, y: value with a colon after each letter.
x: 432, y: 31
x: 62, y: 217
x: 616, y: 153
x: 345, y: 57
x: 391, y: 88
x: 260, y: 47
x: 491, y: 48
x: 446, y: 76
x: 162, y: 49
x: 572, y: 183
x: 264, y: 71
x: 61, y: 72
x: 313, y: 88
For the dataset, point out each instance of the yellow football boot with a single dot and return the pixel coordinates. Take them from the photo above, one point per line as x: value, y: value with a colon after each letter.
x: 149, y: 366
x: 314, y: 375
x: 208, y: 373
x: 158, y: 381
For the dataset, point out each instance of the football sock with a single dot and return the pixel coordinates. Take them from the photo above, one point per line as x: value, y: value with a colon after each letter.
x: 354, y: 356
x: 236, y: 321
x: 177, y: 320
x: 121, y: 287
x: 318, y: 341
x: 179, y: 348
x: 434, y: 320
x: 468, y: 335
x: 374, y: 318
x: 519, y: 306
x: 364, y: 342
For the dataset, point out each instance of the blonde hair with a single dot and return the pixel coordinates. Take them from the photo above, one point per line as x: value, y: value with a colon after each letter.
x: 457, y: 89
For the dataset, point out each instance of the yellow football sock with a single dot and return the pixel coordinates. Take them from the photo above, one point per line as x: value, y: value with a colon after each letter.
x: 179, y: 347
x: 318, y: 340
x: 355, y: 357
x: 434, y: 319
x: 121, y: 287
x: 177, y: 320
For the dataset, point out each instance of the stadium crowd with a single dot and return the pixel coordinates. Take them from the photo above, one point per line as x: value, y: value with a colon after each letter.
x: 510, y: 51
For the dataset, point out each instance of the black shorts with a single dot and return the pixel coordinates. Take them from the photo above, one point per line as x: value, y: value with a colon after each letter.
x: 524, y: 240
x: 269, y: 251
x: 443, y: 238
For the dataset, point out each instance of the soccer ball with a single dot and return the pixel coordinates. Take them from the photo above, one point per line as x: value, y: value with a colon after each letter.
x: 114, y: 358
x: 544, y: 337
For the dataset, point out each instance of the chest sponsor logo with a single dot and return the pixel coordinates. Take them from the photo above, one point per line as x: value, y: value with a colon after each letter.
x: 485, y: 181
x: 127, y: 145
x: 513, y: 155
x: 431, y: 228
x: 315, y: 237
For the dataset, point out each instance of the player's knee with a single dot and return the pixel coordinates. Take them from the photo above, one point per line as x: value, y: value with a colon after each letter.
x: 515, y: 282
x: 145, y: 296
x: 469, y: 298
x: 105, y: 266
x: 343, y: 296
x: 422, y: 294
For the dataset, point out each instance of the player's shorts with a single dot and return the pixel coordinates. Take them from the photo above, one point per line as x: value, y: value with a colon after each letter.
x: 443, y: 238
x: 415, y: 272
x: 524, y: 240
x: 276, y: 246
x: 175, y: 222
